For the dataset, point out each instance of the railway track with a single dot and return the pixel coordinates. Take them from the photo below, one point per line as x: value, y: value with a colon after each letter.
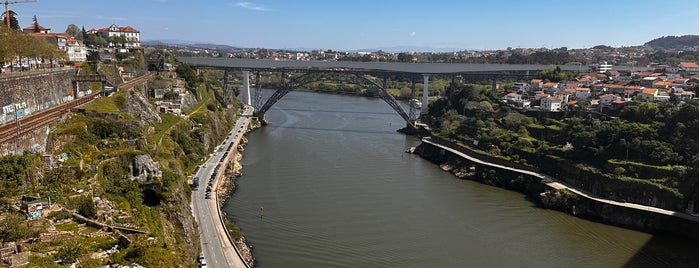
x: 10, y: 131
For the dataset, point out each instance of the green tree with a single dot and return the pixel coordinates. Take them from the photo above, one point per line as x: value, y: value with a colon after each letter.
x: 14, y: 23
x: 74, y: 31
x: 36, y: 24
x: 84, y: 205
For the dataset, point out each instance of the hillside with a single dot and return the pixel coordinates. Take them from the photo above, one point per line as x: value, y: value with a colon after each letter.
x: 669, y: 42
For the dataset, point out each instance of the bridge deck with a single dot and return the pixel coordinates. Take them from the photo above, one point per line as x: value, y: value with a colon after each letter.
x: 416, y: 68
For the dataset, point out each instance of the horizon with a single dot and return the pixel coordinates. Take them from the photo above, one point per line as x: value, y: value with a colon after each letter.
x: 447, y: 25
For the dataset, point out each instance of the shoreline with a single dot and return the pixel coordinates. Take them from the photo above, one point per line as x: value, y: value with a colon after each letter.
x: 549, y: 193
x: 227, y: 188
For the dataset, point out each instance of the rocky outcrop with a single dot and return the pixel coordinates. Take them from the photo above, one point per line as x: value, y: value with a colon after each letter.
x: 138, y: 105
x: 144, y: 167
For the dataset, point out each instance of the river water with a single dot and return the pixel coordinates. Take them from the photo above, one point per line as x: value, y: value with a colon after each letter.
x: 327, y: 184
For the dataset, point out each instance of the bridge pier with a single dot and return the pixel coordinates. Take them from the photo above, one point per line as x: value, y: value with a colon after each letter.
x: 246, y: 88
x: 425, y: 93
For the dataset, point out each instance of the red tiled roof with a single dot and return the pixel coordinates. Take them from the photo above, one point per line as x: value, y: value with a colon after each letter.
x: 605, y: 96
x: 554, y: 98
x: 689, y: 65
x: 31, y: 28
x: 536, y: 80
x: 582, y: 89
x: 128, y: 29
x: 650, y: 91
x: 573, y: 102
x: 550, y: 84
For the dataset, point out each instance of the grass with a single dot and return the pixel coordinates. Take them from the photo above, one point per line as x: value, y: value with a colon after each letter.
x: 107, y: 104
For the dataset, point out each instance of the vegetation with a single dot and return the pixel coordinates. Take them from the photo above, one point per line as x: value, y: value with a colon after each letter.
x: 608, y: 156
x: 15, y: 44
x: 670, y: 42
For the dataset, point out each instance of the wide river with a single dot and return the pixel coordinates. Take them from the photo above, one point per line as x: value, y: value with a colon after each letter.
x: 327, y: 184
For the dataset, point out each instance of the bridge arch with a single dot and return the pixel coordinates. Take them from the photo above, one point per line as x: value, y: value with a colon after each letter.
x: 292, y: 82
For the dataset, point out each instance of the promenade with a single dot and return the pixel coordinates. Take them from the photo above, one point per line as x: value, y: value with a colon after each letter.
x: 559, y: 184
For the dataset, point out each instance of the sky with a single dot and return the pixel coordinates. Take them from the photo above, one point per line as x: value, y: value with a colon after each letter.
x: 376, y: 24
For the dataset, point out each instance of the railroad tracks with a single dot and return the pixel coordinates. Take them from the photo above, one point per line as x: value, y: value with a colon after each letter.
x: 11, y: 131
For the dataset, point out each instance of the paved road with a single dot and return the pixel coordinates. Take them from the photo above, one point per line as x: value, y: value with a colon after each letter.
x: 216, y: 247
x: 558, y: 184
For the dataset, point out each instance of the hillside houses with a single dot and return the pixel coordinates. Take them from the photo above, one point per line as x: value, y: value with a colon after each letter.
x: 75, y: 49
x: 608, y: 90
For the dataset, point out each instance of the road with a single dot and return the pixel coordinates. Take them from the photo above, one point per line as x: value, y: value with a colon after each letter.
x: 218, y: 250
x: 559, y: 184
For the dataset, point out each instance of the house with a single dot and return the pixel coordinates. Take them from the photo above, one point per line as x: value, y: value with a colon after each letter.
x: 512, y: 97
x: 606, y: 99
x: 564, y: 95
x: 520, y: 87
x: 648, y: 94
x: 683, y: 95
x: 32, y: 29
x: 613, y: 74
x: 661, y: 84
x: 688, y: 66
x: 550, y: 87
x: 74, y: 48
x: 541, y: 95
x: 536, y: 84
x: 551, y: 104
x: 649, y: 81
x: 582, y: 93
x: 131, y: 35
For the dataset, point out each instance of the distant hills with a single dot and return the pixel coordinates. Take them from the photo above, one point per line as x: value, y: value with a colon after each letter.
x: 669, y: 42
x: 666, y: 42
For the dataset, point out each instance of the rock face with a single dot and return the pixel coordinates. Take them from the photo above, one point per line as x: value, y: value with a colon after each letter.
x: 142, y: 167
x: 139, y: 107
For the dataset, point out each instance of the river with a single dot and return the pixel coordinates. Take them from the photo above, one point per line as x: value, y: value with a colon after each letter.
x: 327, y: 184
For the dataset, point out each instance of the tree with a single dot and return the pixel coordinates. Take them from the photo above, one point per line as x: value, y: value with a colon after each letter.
x: 14, y: 23
x: 75, y: 32
x: 36, y: 24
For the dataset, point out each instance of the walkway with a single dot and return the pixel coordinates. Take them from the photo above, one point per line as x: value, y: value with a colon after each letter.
x: 559, y: 184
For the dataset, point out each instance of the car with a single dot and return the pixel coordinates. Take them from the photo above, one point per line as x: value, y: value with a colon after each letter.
x: 202, y: 261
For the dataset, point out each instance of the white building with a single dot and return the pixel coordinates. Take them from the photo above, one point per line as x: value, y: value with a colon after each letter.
x: 604, y: 67
x: 133, y: 36
x: 551, y: 104
x: 74, y: 48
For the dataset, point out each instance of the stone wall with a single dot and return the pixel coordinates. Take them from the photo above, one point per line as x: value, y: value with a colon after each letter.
x: 26, y: 94
x: 22, y: 94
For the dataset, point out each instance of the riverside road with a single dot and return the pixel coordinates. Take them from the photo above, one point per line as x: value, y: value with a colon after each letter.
x: 218, y: 250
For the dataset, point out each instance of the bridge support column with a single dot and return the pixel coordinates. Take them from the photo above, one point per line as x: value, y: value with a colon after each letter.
x: 425, y: 89
x: 246, y: 88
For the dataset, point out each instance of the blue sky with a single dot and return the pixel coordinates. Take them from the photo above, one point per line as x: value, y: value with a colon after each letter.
x: 358, y: 24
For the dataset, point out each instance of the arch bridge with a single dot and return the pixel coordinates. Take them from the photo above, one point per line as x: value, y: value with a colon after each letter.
x: 368, y: 75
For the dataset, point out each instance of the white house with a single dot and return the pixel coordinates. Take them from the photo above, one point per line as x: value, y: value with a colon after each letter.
x: 133, y: 36
x: 75, y: 49
x: 511, y: 97
x: 551, y: 104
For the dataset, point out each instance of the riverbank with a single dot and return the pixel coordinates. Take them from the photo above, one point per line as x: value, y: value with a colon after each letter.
x: 225, y: 190
x: 546, y: 192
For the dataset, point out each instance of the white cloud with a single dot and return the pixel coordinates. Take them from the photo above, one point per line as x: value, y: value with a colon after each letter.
x: 251, y: 6
x: 412, y: 34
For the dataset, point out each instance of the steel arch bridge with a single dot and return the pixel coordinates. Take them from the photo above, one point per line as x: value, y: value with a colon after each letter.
x: 290, y: 82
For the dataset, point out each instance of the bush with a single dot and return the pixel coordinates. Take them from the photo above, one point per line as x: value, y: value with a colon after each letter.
x: 60, y: 215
